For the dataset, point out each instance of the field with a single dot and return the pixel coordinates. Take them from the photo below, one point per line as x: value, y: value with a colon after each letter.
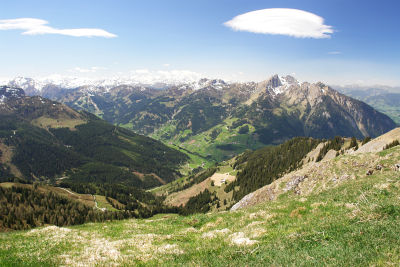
x: 45, y: 122
x: 353, y: 223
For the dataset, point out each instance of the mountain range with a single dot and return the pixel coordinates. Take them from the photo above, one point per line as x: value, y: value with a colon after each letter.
x: 214, y: 120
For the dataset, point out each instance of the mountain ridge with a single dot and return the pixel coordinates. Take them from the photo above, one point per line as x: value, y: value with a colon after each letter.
x: 209, y: 113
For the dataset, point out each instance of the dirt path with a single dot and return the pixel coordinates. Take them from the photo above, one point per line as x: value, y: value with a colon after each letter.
x: 96, y: 206
x: 72, y: 193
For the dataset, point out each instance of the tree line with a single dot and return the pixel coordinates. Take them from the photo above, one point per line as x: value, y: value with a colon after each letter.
x: 24, y: 208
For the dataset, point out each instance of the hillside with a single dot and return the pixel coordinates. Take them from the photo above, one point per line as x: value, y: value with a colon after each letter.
x: 46, y: 142
x: 315, y: 177
x: 224, y: 185
x: 42, y: 139
x: 24, y: 206
x: 339, y: 215
x: 213, y: 120
x: 221, y: 186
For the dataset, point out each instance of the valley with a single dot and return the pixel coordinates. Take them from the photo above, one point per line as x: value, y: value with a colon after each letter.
x: 236, y: 178
x: 333, y: 216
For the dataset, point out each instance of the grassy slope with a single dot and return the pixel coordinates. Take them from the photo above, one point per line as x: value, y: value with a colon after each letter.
x: 354, y: 223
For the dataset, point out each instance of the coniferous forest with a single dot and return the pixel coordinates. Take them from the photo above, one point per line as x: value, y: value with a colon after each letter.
x: 263, y: 166
x: 24, y: 208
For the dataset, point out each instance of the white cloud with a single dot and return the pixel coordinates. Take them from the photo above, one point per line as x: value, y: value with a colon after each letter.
x: 283, y: 21
x: 166, y: 65
x: 164, y: 76
x: 87, y: 70
x: 32, y: 26
x: 334, y: 53
x: 142, y: 71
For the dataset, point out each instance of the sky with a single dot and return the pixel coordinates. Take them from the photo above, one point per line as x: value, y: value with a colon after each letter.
x: 337, y: 42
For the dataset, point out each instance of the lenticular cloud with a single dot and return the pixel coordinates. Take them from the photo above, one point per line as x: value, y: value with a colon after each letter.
x: 32, y: 26
x: 283, y: 21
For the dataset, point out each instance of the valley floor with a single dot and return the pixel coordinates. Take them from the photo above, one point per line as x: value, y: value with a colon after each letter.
x: 355, y: 223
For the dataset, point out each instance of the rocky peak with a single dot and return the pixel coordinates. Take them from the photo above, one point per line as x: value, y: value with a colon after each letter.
x: 290, y: 79
x: 7, y: 92
x: 214, y: 83
x: 274, y: 82
x: 277, y: 84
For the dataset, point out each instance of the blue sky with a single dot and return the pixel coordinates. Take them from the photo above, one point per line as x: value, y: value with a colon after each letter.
x: 190, y: 36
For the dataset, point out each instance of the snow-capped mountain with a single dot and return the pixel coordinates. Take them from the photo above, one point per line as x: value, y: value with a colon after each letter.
x: 31, y: 85
x: 155, y: 79
x: 278, y: 84
x: 48, y: 85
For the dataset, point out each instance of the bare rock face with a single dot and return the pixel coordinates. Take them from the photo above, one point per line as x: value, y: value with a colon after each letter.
x: 292, y: 184
x: 323, y: 110
x: 254, y: 198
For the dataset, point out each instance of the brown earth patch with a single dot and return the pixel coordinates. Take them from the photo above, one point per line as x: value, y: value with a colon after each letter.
x: 142, y: 175
x: 182, y: 197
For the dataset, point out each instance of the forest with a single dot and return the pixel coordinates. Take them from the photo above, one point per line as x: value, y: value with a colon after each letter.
x: 24, y: 208
x: 47, y: 153
x: 263, y: 166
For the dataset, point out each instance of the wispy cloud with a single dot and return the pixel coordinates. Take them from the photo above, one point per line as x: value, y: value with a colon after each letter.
x: 32, y: 26
x: 282, y: 21
x: 334, y: 53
